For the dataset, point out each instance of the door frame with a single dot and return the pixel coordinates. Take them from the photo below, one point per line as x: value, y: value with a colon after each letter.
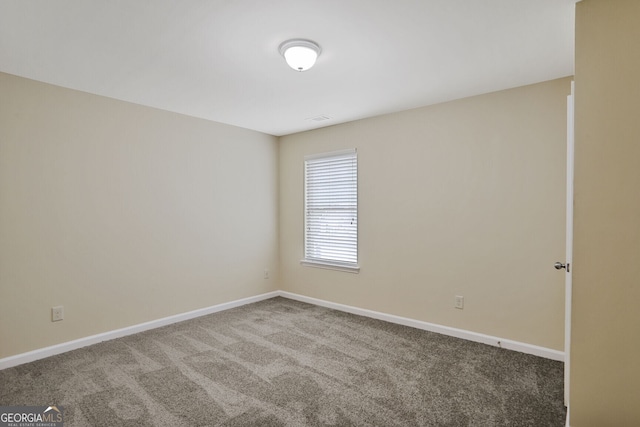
x: 569, y: 245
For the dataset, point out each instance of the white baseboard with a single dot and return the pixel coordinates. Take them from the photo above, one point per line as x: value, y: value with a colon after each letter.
x: 432, y: 327
x: 41, y: 353
x: 30, y: 356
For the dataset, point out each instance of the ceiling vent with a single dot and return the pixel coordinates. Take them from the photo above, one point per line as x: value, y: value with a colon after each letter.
x: 321, y: 118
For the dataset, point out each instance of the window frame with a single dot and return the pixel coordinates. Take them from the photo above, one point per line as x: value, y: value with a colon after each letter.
x: 328, y: 263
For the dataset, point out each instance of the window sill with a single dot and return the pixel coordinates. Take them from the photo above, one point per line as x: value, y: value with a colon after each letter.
x: 349, y: 268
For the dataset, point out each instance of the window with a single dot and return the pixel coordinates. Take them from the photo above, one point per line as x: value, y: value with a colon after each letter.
x: 331, y: 210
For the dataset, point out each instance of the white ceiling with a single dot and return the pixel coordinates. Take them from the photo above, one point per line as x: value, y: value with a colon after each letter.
x: 219, y: 59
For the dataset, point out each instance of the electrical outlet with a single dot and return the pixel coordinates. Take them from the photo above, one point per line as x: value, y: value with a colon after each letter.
x: 57, y: 313
x: 459, y: 302
x: 266, y: 273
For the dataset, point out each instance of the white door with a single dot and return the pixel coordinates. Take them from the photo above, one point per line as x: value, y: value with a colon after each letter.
x: 568, y: 267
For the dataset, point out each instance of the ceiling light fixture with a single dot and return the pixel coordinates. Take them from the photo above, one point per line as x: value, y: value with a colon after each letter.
x: 300, y: 54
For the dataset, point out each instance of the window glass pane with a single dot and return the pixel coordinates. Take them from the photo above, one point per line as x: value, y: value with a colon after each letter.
x: 331, y: 208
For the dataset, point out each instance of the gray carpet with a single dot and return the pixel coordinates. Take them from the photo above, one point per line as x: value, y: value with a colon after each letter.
x: 284, y: 363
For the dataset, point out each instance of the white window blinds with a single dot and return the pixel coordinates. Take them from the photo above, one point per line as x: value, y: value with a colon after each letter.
x: 331, y: 209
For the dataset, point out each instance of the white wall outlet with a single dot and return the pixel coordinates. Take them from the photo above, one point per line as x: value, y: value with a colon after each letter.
x: 57, y: 313
x: 459, y: 302
x: 266, y: 273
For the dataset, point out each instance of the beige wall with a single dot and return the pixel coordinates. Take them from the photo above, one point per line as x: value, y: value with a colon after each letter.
x: 124, y: 214
x: 463, y: 198
x: 605, y: 345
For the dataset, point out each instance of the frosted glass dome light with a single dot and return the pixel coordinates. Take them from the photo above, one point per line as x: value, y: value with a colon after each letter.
x: 300, y: 54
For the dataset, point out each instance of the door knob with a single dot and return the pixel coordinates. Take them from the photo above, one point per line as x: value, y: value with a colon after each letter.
x: 559, y: 266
